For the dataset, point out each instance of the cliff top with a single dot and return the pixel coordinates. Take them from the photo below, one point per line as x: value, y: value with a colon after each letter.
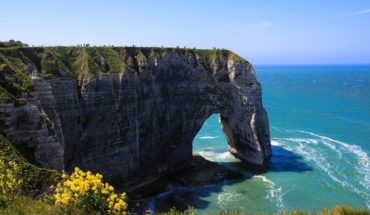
x: 18, y: 61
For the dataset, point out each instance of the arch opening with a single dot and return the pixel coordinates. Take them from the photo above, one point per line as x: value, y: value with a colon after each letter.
x: 211, y: 142
x: 209, y: 147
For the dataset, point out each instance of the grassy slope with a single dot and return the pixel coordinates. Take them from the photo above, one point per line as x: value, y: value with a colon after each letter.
x: 35, y: 180
x: 28, y: 206
x: 13, y: 80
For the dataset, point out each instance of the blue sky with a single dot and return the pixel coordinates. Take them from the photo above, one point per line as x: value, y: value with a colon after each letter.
x: 262, y: 31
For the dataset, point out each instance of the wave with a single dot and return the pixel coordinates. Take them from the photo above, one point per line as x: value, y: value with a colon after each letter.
x: 224, y: 198
x: 275, y: 143
x: 354, y: 156
x: 355, y: 149
x: 215, y: 155
x: 208, y: 137
x: 363, y: 162
x: 303, y: 140
x: 274, y: 194
x: 314, y: 142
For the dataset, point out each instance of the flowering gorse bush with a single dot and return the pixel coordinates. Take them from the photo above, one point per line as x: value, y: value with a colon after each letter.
x: 9, y: 180
x: 87, y: 190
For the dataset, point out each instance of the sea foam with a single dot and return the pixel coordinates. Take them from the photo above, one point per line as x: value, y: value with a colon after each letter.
x: 208, y: 137
x: 352, y: 155
x: 274, y: 193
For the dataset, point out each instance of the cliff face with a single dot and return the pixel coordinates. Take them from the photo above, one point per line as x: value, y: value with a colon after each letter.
x: 129, y: 113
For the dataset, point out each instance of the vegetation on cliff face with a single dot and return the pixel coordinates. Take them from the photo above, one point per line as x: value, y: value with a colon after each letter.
x: 32, y: 180
x: 13, y: 79
x: 85, y: 190
x: 9, y: 182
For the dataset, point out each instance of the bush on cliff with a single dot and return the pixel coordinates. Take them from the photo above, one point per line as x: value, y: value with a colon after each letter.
x: 87, y: 190
x: 12, y: 43
x: 9, y: 178
x: 19, y: 178
x: 31, y: 180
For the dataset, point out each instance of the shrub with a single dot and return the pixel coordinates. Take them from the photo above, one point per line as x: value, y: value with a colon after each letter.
x: 87, y: 190
x: 33, y: 179
x: 9, y: 178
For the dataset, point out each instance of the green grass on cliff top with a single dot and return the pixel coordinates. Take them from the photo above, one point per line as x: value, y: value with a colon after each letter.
x: 17, y: 63
x: 83, y: 60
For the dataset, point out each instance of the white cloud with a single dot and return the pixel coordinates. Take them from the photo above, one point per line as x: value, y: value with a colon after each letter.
x: 361, y: 12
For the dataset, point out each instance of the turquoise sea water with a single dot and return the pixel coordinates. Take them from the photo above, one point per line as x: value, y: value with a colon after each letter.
x: 320, y: 130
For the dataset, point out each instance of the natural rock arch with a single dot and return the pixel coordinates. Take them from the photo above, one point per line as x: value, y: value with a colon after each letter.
x: 137, y: 125
x: 166, y: 107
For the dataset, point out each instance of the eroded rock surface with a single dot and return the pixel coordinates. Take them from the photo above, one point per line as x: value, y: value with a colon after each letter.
x: 135, y: 121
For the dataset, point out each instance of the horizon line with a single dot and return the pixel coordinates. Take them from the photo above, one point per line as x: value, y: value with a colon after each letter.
x: 312, y: 64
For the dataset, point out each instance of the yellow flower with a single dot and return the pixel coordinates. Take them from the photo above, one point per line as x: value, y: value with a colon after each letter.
x: 81, y: 184
x: 99, y: 176
x: 9, y: 181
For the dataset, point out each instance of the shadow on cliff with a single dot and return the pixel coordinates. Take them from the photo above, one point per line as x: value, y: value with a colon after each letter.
x: 282, y: 160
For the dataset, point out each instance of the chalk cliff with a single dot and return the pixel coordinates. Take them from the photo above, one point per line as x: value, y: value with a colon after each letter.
x: 128, y: 113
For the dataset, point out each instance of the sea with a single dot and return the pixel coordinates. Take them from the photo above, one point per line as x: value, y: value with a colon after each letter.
x: 320, y: 134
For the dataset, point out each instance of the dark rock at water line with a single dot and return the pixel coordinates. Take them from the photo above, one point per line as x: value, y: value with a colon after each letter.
x: 203, y: 172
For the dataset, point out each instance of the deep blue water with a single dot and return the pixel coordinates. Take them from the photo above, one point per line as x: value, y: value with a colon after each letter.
x: 320, y: 130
